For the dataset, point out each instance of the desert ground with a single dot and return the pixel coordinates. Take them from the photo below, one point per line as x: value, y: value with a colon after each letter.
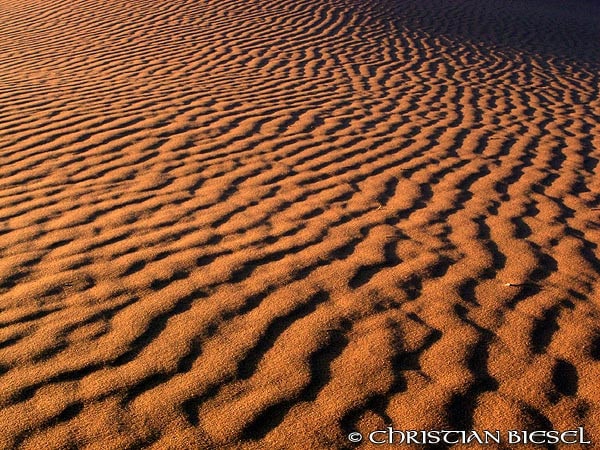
x: 267, y: 224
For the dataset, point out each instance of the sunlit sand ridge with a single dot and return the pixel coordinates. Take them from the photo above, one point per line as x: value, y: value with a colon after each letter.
x: 267, y: 224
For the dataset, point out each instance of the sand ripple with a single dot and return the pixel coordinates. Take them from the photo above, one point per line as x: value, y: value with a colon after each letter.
x: 265, y: 224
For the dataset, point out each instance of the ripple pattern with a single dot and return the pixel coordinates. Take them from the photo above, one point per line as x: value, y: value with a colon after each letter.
x: 267, y: 224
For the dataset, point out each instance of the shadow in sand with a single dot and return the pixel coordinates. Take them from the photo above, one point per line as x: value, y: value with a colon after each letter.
x: 551, y: 28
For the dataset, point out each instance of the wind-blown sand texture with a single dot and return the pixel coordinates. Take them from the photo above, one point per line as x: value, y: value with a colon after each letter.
x: 265, y: 224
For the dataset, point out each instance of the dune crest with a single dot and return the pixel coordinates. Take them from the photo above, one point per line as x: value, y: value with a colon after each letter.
x: 269, y: 224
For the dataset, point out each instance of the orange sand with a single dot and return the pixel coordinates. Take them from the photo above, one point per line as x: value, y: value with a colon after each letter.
x: 265, y: 224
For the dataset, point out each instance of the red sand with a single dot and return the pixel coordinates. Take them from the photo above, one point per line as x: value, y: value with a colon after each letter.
x: 265, y: 225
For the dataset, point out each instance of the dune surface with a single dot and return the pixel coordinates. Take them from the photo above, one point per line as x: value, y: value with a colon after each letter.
x: 267, y: 224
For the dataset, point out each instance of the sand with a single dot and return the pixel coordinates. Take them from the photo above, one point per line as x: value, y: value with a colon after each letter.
x: 267, y: 224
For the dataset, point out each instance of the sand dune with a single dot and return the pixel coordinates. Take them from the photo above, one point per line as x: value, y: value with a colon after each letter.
x: 267, y: 224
